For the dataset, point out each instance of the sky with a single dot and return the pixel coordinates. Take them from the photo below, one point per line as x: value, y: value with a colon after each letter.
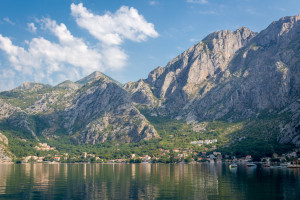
x: 50, y: 41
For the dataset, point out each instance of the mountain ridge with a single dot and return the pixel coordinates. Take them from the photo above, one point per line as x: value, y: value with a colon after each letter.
x: 260, y: 73
x: 90, y: 110
x: 247, y: 80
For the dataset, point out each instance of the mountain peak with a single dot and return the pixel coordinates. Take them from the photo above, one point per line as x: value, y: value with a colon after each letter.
x: 243, y: 29
x: 284, y: 29
x: 154, y: 74
x: 92, y: 77
x: 96, y: 76
x: 294, y: 18
x: 68, y: 85
x: 242, y: 36
x: 31, y: 86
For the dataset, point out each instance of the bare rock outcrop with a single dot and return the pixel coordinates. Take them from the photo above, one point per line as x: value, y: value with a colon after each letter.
x: 232, y: 76
x: 104, y: 111
x: 92, y: 110
x: 5, y: 155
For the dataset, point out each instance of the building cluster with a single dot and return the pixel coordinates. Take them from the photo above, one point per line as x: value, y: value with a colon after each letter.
x: 292, y: 156
x: 176, y: 155
x: 180, y: 155
x: 49, y: 157
x: 201, y: 142
x: 85, y: 155
x: 44, y: 147
x: 33, y: 158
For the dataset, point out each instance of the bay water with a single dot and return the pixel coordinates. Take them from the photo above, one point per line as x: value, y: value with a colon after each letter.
x: 147, y: 181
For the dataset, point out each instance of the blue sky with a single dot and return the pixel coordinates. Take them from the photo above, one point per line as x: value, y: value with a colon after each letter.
x: 54, y: 40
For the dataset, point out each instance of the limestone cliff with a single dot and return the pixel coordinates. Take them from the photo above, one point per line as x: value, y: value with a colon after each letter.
x: 5, y: 155
x: 233, y: 76
x: 103, y: 111
x: 92, y: 110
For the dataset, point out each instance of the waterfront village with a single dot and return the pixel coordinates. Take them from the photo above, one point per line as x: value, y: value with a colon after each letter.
x: 184, y: 155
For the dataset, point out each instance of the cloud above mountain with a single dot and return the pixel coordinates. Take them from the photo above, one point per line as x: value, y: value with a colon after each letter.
x: 71, y: 57
x: 114, y: 28
x: 42, y: 58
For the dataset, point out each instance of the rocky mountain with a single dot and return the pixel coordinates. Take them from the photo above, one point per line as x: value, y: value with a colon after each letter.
x: 231, y: 76
x: 92, y: 110
x: 68, y: 85
x: 141, y: 93
x: 188, y: 73
x: 103, y: 111
x: 238, y: 86
x: 5, y: 155
x: 32, y: 86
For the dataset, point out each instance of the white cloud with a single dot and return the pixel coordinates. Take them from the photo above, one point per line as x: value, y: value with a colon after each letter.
x: 111, y: 29
x: 46, y: 61
x: 31, y: 27
x: 7, y: 79
x: 114, y: 28
x: 197, y: 1
x: 114, y: 57
x: 44, y: 58
x: 6, y: 19
x: 153, y: 3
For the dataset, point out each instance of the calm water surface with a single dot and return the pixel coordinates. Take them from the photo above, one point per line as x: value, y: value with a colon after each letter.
x: 146, y: 181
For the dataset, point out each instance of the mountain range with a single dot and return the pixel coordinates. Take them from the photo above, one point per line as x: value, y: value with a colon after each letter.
x: 248, y: 80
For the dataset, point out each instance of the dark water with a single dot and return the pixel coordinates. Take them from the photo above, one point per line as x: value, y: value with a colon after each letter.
x: 146, y: 181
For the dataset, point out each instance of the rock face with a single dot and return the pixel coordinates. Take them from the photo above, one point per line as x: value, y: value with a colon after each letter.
x: 5, y: 155
x: 104, y: 111
x: 190, y: 69
x: 141, y: 93
x: 93, y: 110
x: 68, y: 85
x: 232, y: 76
x: 185, y: 75
x: 262, y: 75
x: 32, y: 86
x: 3, y: 139
x: 7, y: 109
x: 290, y: 130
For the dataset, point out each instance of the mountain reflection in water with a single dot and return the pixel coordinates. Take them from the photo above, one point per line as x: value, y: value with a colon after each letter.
x: 146, y: 181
